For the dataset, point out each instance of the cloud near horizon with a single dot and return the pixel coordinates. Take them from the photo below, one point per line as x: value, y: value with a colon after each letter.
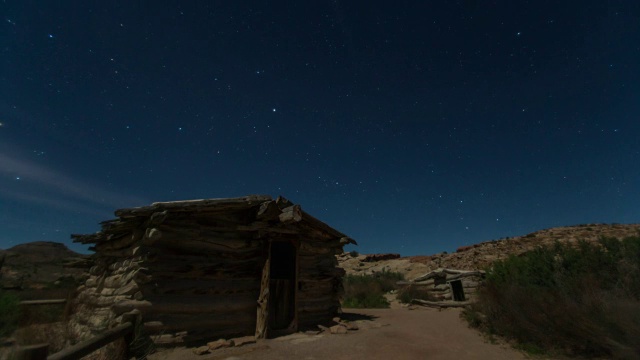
x: 56, y: 188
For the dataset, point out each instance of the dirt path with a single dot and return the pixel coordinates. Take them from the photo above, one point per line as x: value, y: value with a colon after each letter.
x: 384, y: 334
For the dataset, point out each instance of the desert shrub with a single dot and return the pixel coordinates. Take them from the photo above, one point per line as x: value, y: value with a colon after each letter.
x: 581, y: 299
x: 367, y: 291
x: 410, y: 292
x: 354, y: 253
x: 9, y: 313
x: 55, y: 334
x: 388, y: 279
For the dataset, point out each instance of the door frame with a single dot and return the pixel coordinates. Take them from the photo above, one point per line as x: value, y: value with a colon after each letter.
x: 262, y: 320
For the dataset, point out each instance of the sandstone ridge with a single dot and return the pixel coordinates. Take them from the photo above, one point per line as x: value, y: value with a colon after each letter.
x: 481, y: 255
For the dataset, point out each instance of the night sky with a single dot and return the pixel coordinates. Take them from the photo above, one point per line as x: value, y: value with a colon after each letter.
x: 413, y: 127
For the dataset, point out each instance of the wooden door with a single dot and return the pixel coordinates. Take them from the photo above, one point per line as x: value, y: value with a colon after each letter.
x: 282, y: 288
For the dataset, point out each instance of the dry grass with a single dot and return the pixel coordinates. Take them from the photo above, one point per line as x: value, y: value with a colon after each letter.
x: 410, y: 292
x: 367, y: 291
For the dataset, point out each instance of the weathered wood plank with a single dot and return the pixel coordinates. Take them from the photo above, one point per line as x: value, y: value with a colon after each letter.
x: 309, y: 286
x: 441, y: 304
x: 170, y: 322
x: 202, y: 286
x: 317, y: 224
x: 206, y: 245
x: 187, y: 304
x: 191, y: 205
x: 262, y: 311
x: 43, y: 302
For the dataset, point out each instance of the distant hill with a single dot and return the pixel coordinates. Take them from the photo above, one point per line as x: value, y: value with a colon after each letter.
x: 481, y: 255
x: 41, y: 264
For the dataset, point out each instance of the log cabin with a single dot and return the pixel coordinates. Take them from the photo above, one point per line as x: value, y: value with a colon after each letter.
x: 200, y: 270
x: 448, y: 287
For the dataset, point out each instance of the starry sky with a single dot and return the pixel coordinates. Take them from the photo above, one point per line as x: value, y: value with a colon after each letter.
x: 413, y: 127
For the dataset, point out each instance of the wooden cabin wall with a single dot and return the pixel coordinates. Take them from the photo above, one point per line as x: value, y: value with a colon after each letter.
x: 196, y: 277
x: 191, y: 282
x: 203, y: 281
x: 319, y: 282
x: 204, y: 300
x: 442, y: 291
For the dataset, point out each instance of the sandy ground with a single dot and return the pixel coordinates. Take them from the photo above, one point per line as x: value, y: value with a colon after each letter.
x: 396, y: 333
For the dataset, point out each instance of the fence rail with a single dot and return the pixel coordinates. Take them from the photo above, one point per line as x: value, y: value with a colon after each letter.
x: 43, y: 302
x: 87, y: 347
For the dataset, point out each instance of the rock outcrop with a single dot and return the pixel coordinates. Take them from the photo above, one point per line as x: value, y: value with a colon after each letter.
x: 482, y: 255
x: 42, y: 264
x: 380, y: 257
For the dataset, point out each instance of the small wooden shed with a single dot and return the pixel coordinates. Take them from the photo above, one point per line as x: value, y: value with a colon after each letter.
x: 205, y: 269
x: 450, y: 287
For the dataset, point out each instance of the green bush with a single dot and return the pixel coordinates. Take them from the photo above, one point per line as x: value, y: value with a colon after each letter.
x: 581, y: 299
x: 9, y: 313
x: 367, y: 291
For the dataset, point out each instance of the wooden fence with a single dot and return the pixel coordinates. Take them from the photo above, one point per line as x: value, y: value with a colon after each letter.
x: 41, y: 351
x: 43, y: 302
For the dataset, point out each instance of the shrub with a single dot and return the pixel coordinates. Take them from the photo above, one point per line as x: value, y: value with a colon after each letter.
x: 354, y: 253
x: 581, y: 299
x: 410, y: 292
x: 367, y: 291
x: 9, y: 313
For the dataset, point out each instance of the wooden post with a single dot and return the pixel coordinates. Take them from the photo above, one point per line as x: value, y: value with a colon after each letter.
x: 262, y: 319
x: 134, y: 318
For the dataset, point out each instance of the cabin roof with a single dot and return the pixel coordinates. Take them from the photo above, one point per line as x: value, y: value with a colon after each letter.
x: 258, y: 213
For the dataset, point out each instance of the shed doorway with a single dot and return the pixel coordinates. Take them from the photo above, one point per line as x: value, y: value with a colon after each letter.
x: 282, y: 289
x: 277, y: 299
x: 457, y: 290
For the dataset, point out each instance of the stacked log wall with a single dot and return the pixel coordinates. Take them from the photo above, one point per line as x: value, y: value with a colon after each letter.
x: 441, y: 290
x: 320, y: 282
x: 203, y: 284
x: 186, y: 286
x: 194, y: 272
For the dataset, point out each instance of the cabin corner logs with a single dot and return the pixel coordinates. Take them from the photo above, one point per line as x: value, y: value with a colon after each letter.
x: 449, y: 287
x: 204, y: 269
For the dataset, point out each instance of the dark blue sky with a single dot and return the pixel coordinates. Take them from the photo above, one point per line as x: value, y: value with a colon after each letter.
x: 413, y: 128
